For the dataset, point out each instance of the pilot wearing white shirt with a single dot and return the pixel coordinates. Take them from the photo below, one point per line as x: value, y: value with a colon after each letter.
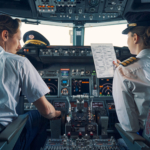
x: 131, y: 84
x: 17, y: 73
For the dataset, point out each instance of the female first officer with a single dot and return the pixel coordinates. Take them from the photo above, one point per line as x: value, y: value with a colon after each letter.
x: 131, y: 84
x: 17, y: 73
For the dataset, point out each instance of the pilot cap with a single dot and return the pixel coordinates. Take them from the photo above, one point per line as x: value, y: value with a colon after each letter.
x: 136, y: 19
x: 35, y: 38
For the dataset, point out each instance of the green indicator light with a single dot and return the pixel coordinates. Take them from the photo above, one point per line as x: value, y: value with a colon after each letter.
x: 93, y: 71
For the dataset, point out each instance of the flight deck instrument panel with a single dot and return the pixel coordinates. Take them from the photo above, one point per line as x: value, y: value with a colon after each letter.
x: 85, y: 10
x: 75, y: 80
x: 69, y: 71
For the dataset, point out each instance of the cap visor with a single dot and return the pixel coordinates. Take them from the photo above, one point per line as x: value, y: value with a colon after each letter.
x: 127, y: 30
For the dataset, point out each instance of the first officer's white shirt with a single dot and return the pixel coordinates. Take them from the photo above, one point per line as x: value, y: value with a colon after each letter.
x: 17, y: 73
x: 131, y: 92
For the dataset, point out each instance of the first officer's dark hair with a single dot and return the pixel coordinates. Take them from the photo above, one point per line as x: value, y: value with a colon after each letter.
x: 144, y: 33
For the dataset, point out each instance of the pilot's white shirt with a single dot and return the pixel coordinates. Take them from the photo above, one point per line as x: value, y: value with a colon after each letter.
x: 17, y: 73
x: 131, y: 92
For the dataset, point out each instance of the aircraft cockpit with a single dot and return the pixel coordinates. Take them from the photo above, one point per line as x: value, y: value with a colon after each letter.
x: 88, y: 118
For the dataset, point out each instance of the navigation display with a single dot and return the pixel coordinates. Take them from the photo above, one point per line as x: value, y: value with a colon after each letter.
x: 80, y: 86
x: 105, y: 87
x: 53, y: 86
x: 97, y: 104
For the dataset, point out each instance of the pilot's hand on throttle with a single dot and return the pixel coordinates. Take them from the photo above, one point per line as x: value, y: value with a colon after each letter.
x: 116, y: 64
x: 57, y: 113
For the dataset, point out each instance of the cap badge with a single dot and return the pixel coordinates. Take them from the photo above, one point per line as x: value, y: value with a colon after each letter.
x: 132, y: 24
x: 31, y: 36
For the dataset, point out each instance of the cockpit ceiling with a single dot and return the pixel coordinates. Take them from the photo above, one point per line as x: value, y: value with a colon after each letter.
x: 72, y: 12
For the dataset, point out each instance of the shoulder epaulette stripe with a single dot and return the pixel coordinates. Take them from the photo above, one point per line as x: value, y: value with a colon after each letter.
x: 128, y: 61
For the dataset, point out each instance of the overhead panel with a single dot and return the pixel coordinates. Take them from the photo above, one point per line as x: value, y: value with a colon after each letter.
x: 81, y: 11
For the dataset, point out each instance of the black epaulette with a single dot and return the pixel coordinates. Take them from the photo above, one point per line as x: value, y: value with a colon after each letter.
x: 128, y: 61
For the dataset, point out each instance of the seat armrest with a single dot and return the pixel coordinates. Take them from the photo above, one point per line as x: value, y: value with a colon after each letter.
x: 132, y: 136
x: 11, y: 130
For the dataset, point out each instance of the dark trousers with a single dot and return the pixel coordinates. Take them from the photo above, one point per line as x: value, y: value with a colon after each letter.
x: 34, y: 133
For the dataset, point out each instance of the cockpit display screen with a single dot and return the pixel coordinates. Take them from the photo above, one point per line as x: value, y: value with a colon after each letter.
x: 65, y: 73
x: 53, y: 86
x: 105, y: 87
x: 97, y: 104
x: 59, y: 104
x: 80, y: 86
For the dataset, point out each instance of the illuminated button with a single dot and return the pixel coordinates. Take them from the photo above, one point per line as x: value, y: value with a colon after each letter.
x: 69, y: 134
x: 91, y: 134
x: 80, y: 134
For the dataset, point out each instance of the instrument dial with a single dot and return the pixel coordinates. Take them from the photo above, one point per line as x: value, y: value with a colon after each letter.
x: 64, y: 91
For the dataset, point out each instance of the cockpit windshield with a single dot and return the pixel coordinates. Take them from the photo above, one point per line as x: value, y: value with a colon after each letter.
x: 61, y: 35
x: 106, y: 34
x: 57, y: 35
